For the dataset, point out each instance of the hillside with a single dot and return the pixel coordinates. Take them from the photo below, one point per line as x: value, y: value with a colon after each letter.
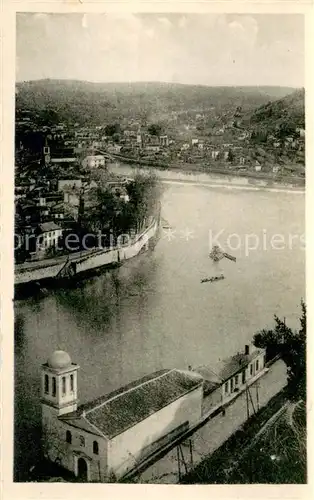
x: 102, y: 102
x: 281, y: 115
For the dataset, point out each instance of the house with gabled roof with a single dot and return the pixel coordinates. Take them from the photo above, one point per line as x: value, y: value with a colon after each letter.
x: 48, y: 235
x: 232, y: 375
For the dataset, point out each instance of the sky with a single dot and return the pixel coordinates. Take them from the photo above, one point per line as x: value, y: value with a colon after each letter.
x: 207, y: 49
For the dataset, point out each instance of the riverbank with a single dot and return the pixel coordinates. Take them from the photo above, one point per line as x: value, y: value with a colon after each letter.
x: 200, y: 169
x: 80, y: 263
x: 227, y: 180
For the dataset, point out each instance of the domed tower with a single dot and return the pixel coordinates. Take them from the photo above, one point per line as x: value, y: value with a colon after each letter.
x: 59, y: 384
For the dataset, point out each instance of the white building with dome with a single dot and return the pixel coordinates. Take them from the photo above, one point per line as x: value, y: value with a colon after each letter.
x: 112, y: 434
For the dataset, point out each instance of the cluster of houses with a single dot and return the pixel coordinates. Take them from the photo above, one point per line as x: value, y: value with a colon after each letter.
x: 45, y: 207
x: 235, y: 154
x: 228, y: 146
x: 69, y: 154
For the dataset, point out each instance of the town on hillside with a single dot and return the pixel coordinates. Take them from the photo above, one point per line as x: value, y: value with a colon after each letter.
x: 60, y: 165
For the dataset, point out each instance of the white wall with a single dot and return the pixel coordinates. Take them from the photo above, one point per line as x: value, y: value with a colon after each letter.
x: 127, y: 448
x: 63, y: 160
x: 100, y: 259
x: 111, y: 256
x: 93, y: 161
x: 37, y: 274
x: 62, y: 183
x: 211, y: 400
x: 69, y: 397
x: 248, y: 376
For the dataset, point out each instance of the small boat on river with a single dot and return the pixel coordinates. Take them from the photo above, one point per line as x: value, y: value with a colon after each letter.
x: 213, y: 279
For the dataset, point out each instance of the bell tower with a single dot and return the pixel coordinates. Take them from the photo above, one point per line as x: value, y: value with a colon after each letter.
x: 58, y: 397
x: 46, y: 153
x: 59, y: 385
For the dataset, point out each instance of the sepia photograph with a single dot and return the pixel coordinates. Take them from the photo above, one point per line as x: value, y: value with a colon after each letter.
x: 159, y: 248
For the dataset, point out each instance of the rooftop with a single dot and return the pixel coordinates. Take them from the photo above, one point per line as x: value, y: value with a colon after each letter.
x: 226, y: 368
x: 116, y: 412
x: 236, y: 363
x: 48, y: 226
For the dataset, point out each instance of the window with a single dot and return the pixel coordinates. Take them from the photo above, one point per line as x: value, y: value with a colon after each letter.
x: 82, y: 441
x: 231, y: 382
x: 251, y: 369
x: 243, y: 377
x: 46, y: 384
x: 256, y: 365
x: 95, y: 448
x: 236, y: 380
x: 71, y: 383
x: 54, y: 386
x: 63, y: 386
x: 226, y: 387
x: 68, y: 437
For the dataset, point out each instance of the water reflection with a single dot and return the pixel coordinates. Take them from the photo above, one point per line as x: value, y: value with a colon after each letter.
x: 97, y: 301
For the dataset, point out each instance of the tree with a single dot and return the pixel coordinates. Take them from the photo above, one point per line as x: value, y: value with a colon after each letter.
x: 294, y: 355
x: 102, y: 217
x: 238, y: 111
x: 112, y: 129
x: 154, y: 129
x: 111, y: 213
x: 291, y: 345
x: 230, y: 156
x: 52, y: 445
x: 48, y: 117
x: 144, y: 192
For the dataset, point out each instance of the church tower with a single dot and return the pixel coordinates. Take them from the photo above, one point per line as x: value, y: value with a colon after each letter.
x: 58, y: 397
x: 59, y: 385
x: 46, y: 153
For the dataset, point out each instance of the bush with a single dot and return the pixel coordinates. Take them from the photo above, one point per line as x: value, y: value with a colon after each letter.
x: 292, y: 347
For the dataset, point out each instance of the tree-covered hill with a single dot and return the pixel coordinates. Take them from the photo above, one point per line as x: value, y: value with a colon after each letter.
x: 96, y: 103
x: 283, y: 115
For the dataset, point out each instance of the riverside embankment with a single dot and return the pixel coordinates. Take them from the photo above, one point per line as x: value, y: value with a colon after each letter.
x: 227, y: 180
x: 199, y: 168
x: 80, y: 262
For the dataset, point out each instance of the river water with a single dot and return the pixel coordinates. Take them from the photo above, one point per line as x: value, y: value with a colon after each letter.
x: 153, y: 312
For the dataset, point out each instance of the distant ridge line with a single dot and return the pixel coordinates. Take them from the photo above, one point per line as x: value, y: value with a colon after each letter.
x: 153, y: 82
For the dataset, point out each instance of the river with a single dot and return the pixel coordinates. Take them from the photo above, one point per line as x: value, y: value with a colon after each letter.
x: 153, y: 312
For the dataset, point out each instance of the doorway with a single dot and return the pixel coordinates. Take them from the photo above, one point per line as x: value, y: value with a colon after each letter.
x: 82, y: 469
